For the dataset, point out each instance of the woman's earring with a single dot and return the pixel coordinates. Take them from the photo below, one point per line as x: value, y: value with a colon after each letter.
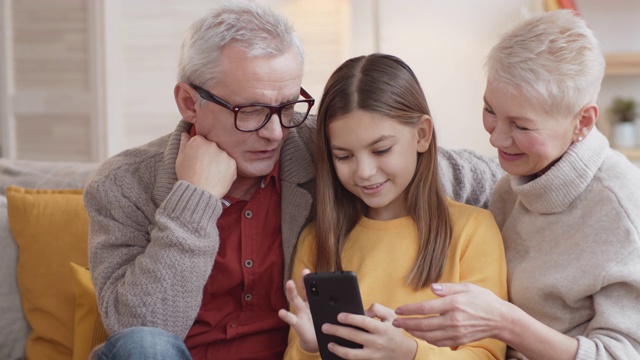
x: 580, y: 138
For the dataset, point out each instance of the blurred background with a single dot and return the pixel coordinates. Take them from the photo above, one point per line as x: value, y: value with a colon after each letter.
x: 81, y: 80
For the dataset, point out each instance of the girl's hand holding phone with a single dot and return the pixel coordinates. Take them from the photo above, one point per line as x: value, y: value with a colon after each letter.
x: 301, y: 320
x: 381, y: 340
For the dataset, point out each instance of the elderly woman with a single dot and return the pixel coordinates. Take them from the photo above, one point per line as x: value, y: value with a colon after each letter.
x: 568, y: 210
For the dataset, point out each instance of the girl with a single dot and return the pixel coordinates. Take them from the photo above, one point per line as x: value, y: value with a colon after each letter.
x: 381, y: 213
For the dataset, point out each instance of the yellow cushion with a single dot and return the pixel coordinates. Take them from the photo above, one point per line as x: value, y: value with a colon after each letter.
x: 88, y: 329
x: 51, y: 230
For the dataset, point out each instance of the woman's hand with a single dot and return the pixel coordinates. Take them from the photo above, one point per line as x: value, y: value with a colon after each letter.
x: 301, y: 320
x: 380, y: 339
x: 464, y: 313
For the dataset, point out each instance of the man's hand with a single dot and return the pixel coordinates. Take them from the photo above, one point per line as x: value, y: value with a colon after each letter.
x: 202, y: 163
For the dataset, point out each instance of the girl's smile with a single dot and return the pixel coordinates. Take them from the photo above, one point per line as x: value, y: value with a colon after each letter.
x: 372, y: 189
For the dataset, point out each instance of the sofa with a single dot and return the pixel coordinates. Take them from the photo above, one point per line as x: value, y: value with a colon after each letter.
x: 47, y: 301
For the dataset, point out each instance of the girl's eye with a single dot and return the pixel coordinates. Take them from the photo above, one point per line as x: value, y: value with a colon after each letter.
x: 341, y: 157
x: 383, y: 151
x: 488, y: 110
x: 520, y: 127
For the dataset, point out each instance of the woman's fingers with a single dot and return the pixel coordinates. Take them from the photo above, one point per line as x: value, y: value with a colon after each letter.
x: 381, y: 312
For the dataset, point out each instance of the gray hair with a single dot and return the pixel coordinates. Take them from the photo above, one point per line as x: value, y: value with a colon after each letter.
x: 256, y: 29
x: 552, y: 57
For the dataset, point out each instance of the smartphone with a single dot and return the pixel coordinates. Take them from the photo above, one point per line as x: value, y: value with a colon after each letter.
x: 328, y: 294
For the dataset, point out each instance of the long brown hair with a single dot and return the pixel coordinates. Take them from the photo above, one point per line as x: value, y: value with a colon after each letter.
x: 385, y: 85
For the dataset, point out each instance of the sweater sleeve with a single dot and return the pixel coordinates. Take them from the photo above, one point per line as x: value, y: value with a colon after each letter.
x: 468, y: 177
x: 614, y: 331
x: 482, y: 262
x: 149, y: 265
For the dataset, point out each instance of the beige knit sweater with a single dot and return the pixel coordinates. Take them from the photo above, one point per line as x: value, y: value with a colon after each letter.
x: 572, y: 240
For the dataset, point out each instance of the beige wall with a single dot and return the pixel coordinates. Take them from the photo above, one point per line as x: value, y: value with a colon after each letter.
x: 445, y: 51
x: 143, y: 39
x: 109, y: 83
x: 446, y: 42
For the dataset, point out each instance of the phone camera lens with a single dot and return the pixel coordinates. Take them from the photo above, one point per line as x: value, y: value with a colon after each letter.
x: 314, y: 288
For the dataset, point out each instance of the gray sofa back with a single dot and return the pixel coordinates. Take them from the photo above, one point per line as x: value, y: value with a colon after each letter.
x: 14, y: 328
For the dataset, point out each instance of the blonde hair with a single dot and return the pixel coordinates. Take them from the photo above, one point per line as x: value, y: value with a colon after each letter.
x: 385, y: 85
x: 552, y: 57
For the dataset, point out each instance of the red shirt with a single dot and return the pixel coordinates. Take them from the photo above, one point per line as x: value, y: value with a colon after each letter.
x: 238, y: 318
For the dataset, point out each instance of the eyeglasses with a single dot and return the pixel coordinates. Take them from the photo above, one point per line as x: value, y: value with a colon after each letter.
x: 254, y: 117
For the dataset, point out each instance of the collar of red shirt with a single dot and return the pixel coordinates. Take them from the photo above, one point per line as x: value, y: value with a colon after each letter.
x: 272, y: 178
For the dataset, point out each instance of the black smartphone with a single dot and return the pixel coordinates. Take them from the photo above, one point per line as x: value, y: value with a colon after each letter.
x: 328, y: 294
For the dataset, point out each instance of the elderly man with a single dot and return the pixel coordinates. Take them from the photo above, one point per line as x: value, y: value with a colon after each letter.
x: 192, y: 234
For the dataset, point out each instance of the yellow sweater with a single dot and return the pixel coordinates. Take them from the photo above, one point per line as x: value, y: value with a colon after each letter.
x: 382, y: 253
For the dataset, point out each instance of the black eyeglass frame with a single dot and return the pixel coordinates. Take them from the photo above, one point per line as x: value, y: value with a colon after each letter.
x: 209, y: 96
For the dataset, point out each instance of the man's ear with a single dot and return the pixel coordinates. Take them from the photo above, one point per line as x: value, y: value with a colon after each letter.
x: 186, y: 100
x: 587, y: 119
x: 424, y: 132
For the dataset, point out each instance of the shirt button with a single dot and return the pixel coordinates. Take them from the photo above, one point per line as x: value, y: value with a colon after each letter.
x: 248, y: 214
x: 248, y: 263
x: 247, y: 297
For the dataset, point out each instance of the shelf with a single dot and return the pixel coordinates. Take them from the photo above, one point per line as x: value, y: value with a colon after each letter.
x: 622, y: 64
x: 631, y: 154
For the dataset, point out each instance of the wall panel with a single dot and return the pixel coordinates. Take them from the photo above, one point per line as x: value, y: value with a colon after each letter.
x: 53, y: 94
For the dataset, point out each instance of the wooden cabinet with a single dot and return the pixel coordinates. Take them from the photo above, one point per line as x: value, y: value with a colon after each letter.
x: 623, y: 64
x: 615, y: 24
x: 48, y: 80
x: 623, y: 71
